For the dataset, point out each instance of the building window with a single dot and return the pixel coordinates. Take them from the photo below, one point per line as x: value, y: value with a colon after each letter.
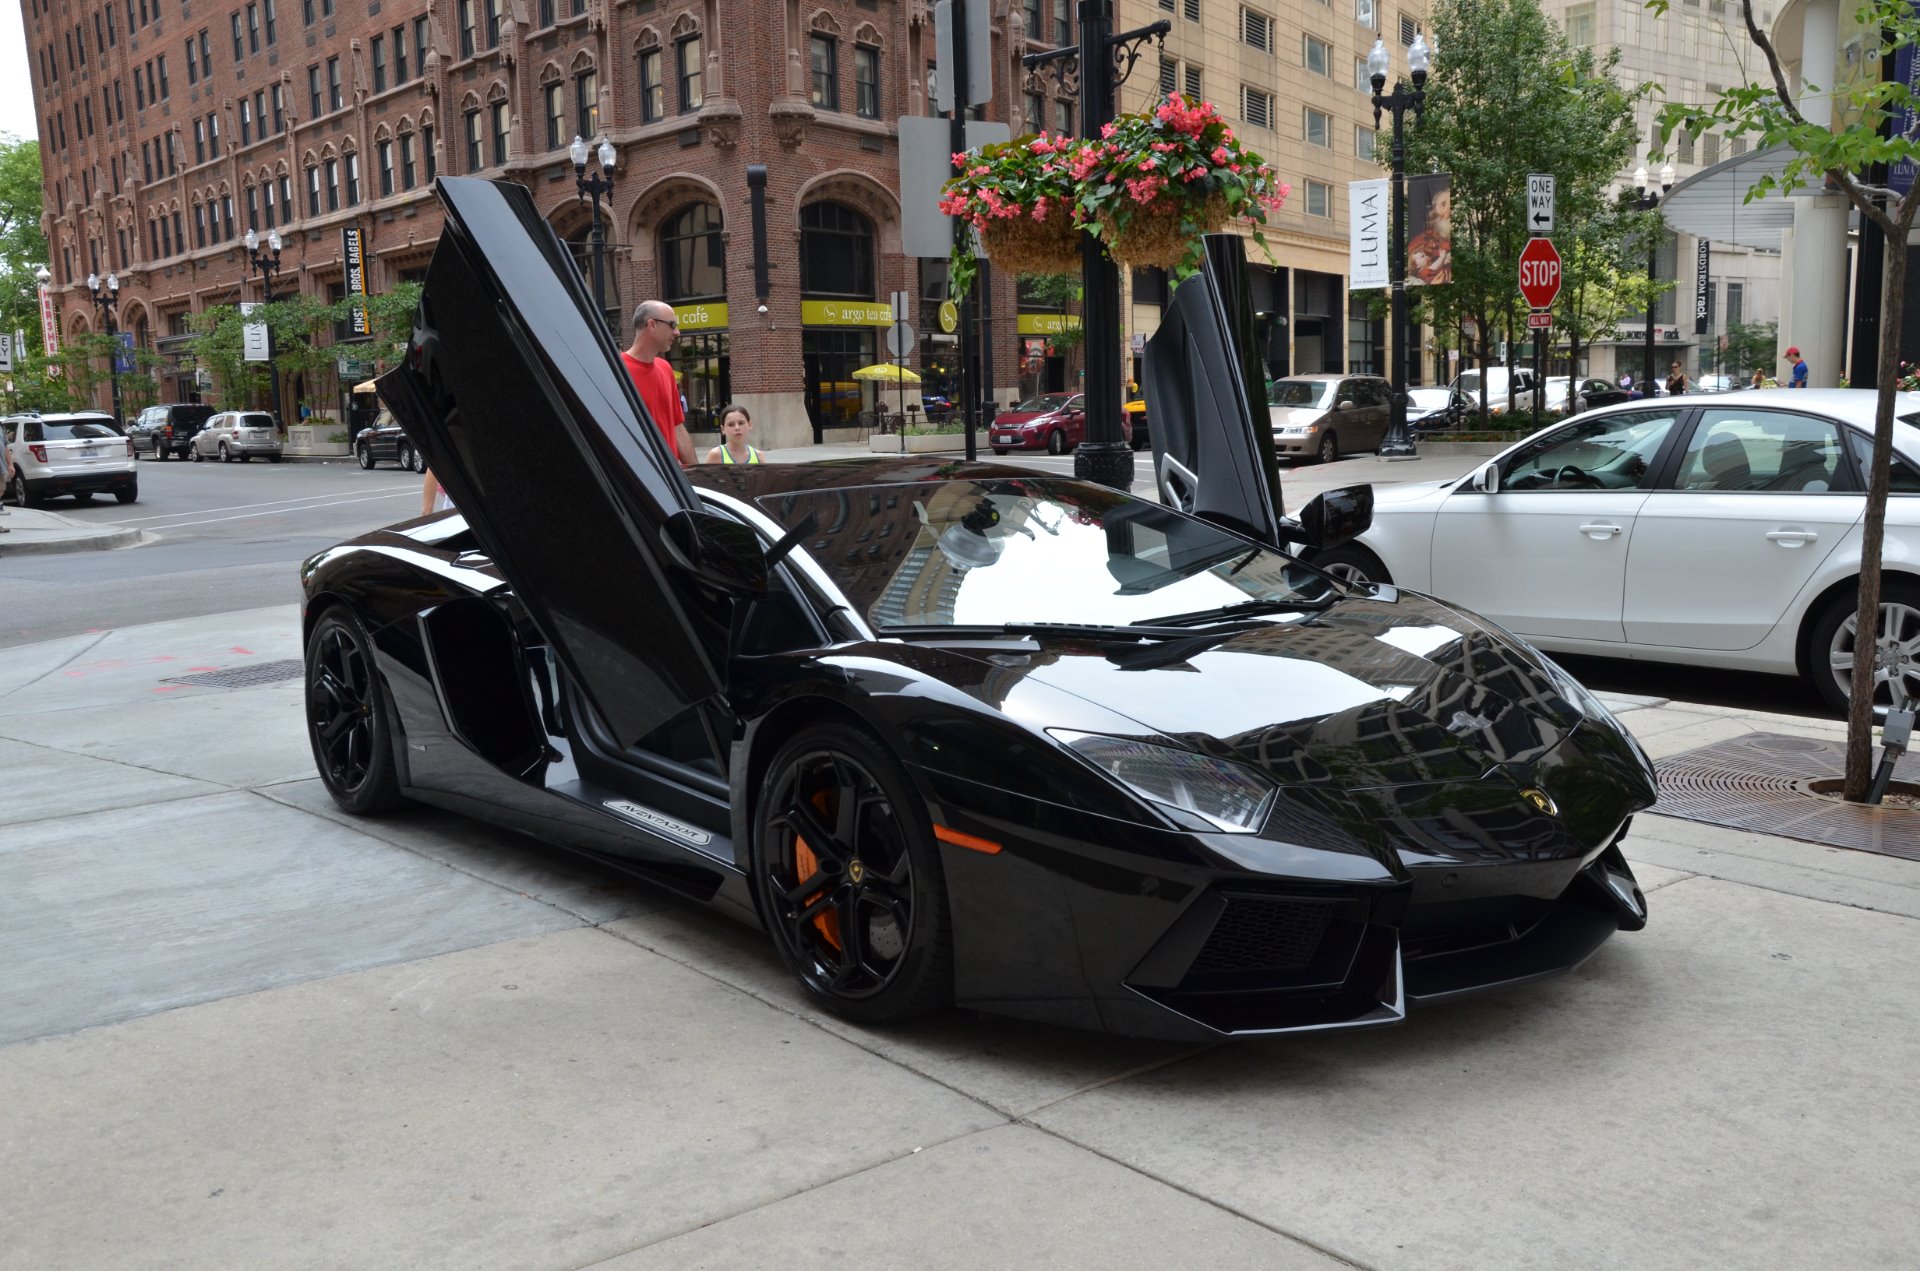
x: 253, y: 28
x: 1256, y: 30
x: 1318, y: 127
x: 377, y: 56
x: 823, y: 51
x: 1033, y: 20
x: 1190, y: 10
x: 836, y: 251
x: 383, y: 154
x: 476, y: 157
x: 399, y: 55
x: 499, y: 113
x: 1192, y: 83
x: 1580, y: 26
x: 1316, y: 55
x: 1736, y: 302
x: 353, y: 178
x: 334, y: 100
x: 1036, y: 115
x: 313, y: 92
x: 406, y: 161
x: 686, y: 57
x: 286, y: 195
x: 1710, y: 149
x: 333, y: 184
x: 1063, y: 116
x: 1363, y: 139
x: 199, y: 141
x: 193, y: 69
x: 199, y: 225
x: 586, y: 104
x: 273, y: 26
x: 213, y: 136
x: 653, y: 93
x: 1319, y: 198
x: 1062, y: 23
x: 866, y: 81
x: 546, y: 13
x: 239, y: 46
x: 1409, y: 29
x: 253, y: 207
x: 493, y: 23
x: 1364, y: 15
x: 693, y: 262
x: 1256, y: 107
x: 246, y: 123
x: 556, y: 101
x: 266, y: 191
x: 1169, y: 76
x: 465, y: 10
x: 279, y: 110
x: 427, y: 154
x: 1683, y: 144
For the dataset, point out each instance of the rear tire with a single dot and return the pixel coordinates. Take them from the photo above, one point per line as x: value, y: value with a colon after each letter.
x: 1352, y: 563
x: 83, y: 496
x: 349, y: 723
x: 364, y: 454
x: 127, y: 496
x: 226, y: 455
x: 159, y: 452
x: 1830, y: 645
x: 419, y: 462
x: 1329, y: 448
x: 848, y: 879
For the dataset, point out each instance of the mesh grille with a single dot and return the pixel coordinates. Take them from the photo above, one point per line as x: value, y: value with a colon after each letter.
x: 243, y: 676
x: 1264, y: 933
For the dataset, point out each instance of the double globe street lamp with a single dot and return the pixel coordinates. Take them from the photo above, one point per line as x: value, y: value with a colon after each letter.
x: 1398, y: 102
x: 597, y: 186
x: 1648, y: 200
x: 107, y: 298
x: 267, y: 264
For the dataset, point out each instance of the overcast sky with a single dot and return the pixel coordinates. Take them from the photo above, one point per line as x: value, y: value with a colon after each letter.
x: 16, y: 90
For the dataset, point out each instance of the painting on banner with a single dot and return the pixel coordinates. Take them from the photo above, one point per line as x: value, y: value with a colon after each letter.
x: 1430, y: 229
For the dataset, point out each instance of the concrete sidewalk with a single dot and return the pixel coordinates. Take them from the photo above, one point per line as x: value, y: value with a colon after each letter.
x: 239, y: 1028
x: 34, y: 531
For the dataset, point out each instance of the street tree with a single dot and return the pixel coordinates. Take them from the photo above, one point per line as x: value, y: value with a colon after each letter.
x: 23, y: 248
x: 1502, y: 70
x: 1769, y: 112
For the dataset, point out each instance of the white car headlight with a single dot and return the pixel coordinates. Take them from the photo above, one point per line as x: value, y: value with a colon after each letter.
x: 1203, y: 792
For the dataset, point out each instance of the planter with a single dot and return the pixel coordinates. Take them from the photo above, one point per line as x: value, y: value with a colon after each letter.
x: 309, y: 439
x: 894, y: 443
x: 1022, y: 245
x: 1159, y: 235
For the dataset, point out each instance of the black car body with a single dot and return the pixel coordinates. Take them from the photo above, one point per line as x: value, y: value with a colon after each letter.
x: 869, y: 707
x: 168, y: 430
x: 385, y: 441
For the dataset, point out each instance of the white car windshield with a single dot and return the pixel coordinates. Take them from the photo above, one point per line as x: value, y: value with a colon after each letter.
x: 1025, y: 550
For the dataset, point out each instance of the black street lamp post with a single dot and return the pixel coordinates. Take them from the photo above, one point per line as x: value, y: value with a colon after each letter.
x: 1100, y: 63
x: 1648, y: 200
x: 108, y: 298
x: 1398, y: 102
x: 267, y: 265
x: 597, y: 186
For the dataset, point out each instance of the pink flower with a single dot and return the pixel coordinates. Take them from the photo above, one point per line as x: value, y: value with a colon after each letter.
x: 1106, y: 130
x: 1220, y: 154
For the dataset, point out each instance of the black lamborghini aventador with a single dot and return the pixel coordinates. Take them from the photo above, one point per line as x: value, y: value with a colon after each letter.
x: 957, y: 733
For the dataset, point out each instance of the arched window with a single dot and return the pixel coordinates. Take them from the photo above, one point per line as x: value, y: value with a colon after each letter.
x: 693, y: 260
x: 836, y: 251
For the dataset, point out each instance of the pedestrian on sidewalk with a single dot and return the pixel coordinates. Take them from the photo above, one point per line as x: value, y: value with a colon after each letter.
x: 735, y: 423
x: 1676, y: 380
x: 655, y: 328
x: 433, y: 498
x: 6, y: 473
x: 1799, y: 377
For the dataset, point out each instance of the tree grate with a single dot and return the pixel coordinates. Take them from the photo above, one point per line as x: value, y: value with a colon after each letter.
x: 243, y: 676
x: 1759, y: 782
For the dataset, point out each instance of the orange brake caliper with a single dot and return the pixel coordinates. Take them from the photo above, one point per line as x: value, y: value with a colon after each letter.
x: 805, y: 866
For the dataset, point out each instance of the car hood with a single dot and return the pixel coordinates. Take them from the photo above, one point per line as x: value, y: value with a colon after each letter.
x: 1283, y: 416
x: 1408, y: 492
x: 1014, y: 418
x: 1376, y: 692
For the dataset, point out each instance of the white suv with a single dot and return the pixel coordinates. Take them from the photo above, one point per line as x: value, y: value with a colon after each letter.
x: 82, y: 454
x: 237, y: 434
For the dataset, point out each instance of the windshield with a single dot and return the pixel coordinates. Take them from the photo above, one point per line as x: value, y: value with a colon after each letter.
x: 1021, y: 550
x: 1300, y: 393
x: 1044, y: 402
x: 70, y: 429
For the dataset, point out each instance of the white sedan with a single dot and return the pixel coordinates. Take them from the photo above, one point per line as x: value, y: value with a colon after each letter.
x: 1710, y: 531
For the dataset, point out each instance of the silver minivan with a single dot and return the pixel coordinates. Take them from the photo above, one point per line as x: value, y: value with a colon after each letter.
x: 82, y: 453
x: 238, y: 434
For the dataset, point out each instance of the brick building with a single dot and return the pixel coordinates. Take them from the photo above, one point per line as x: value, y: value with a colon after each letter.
x: 171, y: 127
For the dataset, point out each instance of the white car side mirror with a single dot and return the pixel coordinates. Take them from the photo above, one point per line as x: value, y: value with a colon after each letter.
x: 1486, y: 479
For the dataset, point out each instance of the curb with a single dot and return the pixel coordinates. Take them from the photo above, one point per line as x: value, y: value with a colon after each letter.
x: 103, y: 540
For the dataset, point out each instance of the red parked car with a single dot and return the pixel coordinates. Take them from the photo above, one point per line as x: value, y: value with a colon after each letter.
x: 1054, y: 422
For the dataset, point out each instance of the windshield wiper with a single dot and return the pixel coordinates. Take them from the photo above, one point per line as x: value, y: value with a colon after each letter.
x: 1246, y: 609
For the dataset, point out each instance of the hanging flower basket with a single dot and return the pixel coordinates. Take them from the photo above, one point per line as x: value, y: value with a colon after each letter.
x: 1159, y: 234
x: 1024, y: 245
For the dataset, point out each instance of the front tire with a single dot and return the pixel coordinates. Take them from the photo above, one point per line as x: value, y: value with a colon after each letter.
x: 348, y: 723
x: 999, y: 450
x: 194, y: 454
x: 1329, y: 448
x: 1056, y: 442
x: 848, y: 879
x: 419, y: 462
x: 1830, y: 647
x: 364, y: 453
x: 1352, y: 563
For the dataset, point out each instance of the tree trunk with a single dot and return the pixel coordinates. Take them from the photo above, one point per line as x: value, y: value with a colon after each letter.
x: 1873, y: 528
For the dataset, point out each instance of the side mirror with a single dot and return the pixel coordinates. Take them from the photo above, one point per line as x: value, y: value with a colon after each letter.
x: 1345, y: 404
x: 722, y: 553
x: 1486, y: 479
x: 1335, y: 516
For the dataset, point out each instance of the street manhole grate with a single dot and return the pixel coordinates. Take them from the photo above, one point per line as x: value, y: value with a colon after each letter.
x: 243, y: 676
x: 1759, y: 782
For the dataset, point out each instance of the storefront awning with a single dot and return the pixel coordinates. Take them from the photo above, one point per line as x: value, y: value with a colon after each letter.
x: 1711, y: 204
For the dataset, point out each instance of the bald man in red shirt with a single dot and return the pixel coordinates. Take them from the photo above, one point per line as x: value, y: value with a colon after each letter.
x: 655, y: 328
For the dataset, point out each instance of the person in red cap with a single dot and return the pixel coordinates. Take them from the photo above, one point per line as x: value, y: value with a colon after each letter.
x: 1799, y: 377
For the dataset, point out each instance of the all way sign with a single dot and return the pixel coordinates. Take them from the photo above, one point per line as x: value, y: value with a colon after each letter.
x: 1540, y: 273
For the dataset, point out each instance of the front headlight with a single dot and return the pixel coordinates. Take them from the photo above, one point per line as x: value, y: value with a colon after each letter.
x: 1202, y: 793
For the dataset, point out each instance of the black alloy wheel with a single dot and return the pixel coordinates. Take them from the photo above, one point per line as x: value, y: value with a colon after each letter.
x: 347, y: 719
x: 848, y: 879
x: 1329, y: 448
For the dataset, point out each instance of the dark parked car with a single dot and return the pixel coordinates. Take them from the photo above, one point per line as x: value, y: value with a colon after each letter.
x: 168, y: 430
x: 384, y: 441
x: 949, y: 732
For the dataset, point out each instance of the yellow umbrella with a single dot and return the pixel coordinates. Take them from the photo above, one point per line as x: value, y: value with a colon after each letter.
x: 888, y: 372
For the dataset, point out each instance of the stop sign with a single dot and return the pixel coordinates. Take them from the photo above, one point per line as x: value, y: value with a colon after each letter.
x: 1540, y: 272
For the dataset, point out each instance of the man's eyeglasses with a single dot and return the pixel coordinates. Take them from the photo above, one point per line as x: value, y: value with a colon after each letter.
x: 675, y: 324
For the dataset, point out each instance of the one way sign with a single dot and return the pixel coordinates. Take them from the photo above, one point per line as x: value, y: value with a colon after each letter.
x: 1539, y: 203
